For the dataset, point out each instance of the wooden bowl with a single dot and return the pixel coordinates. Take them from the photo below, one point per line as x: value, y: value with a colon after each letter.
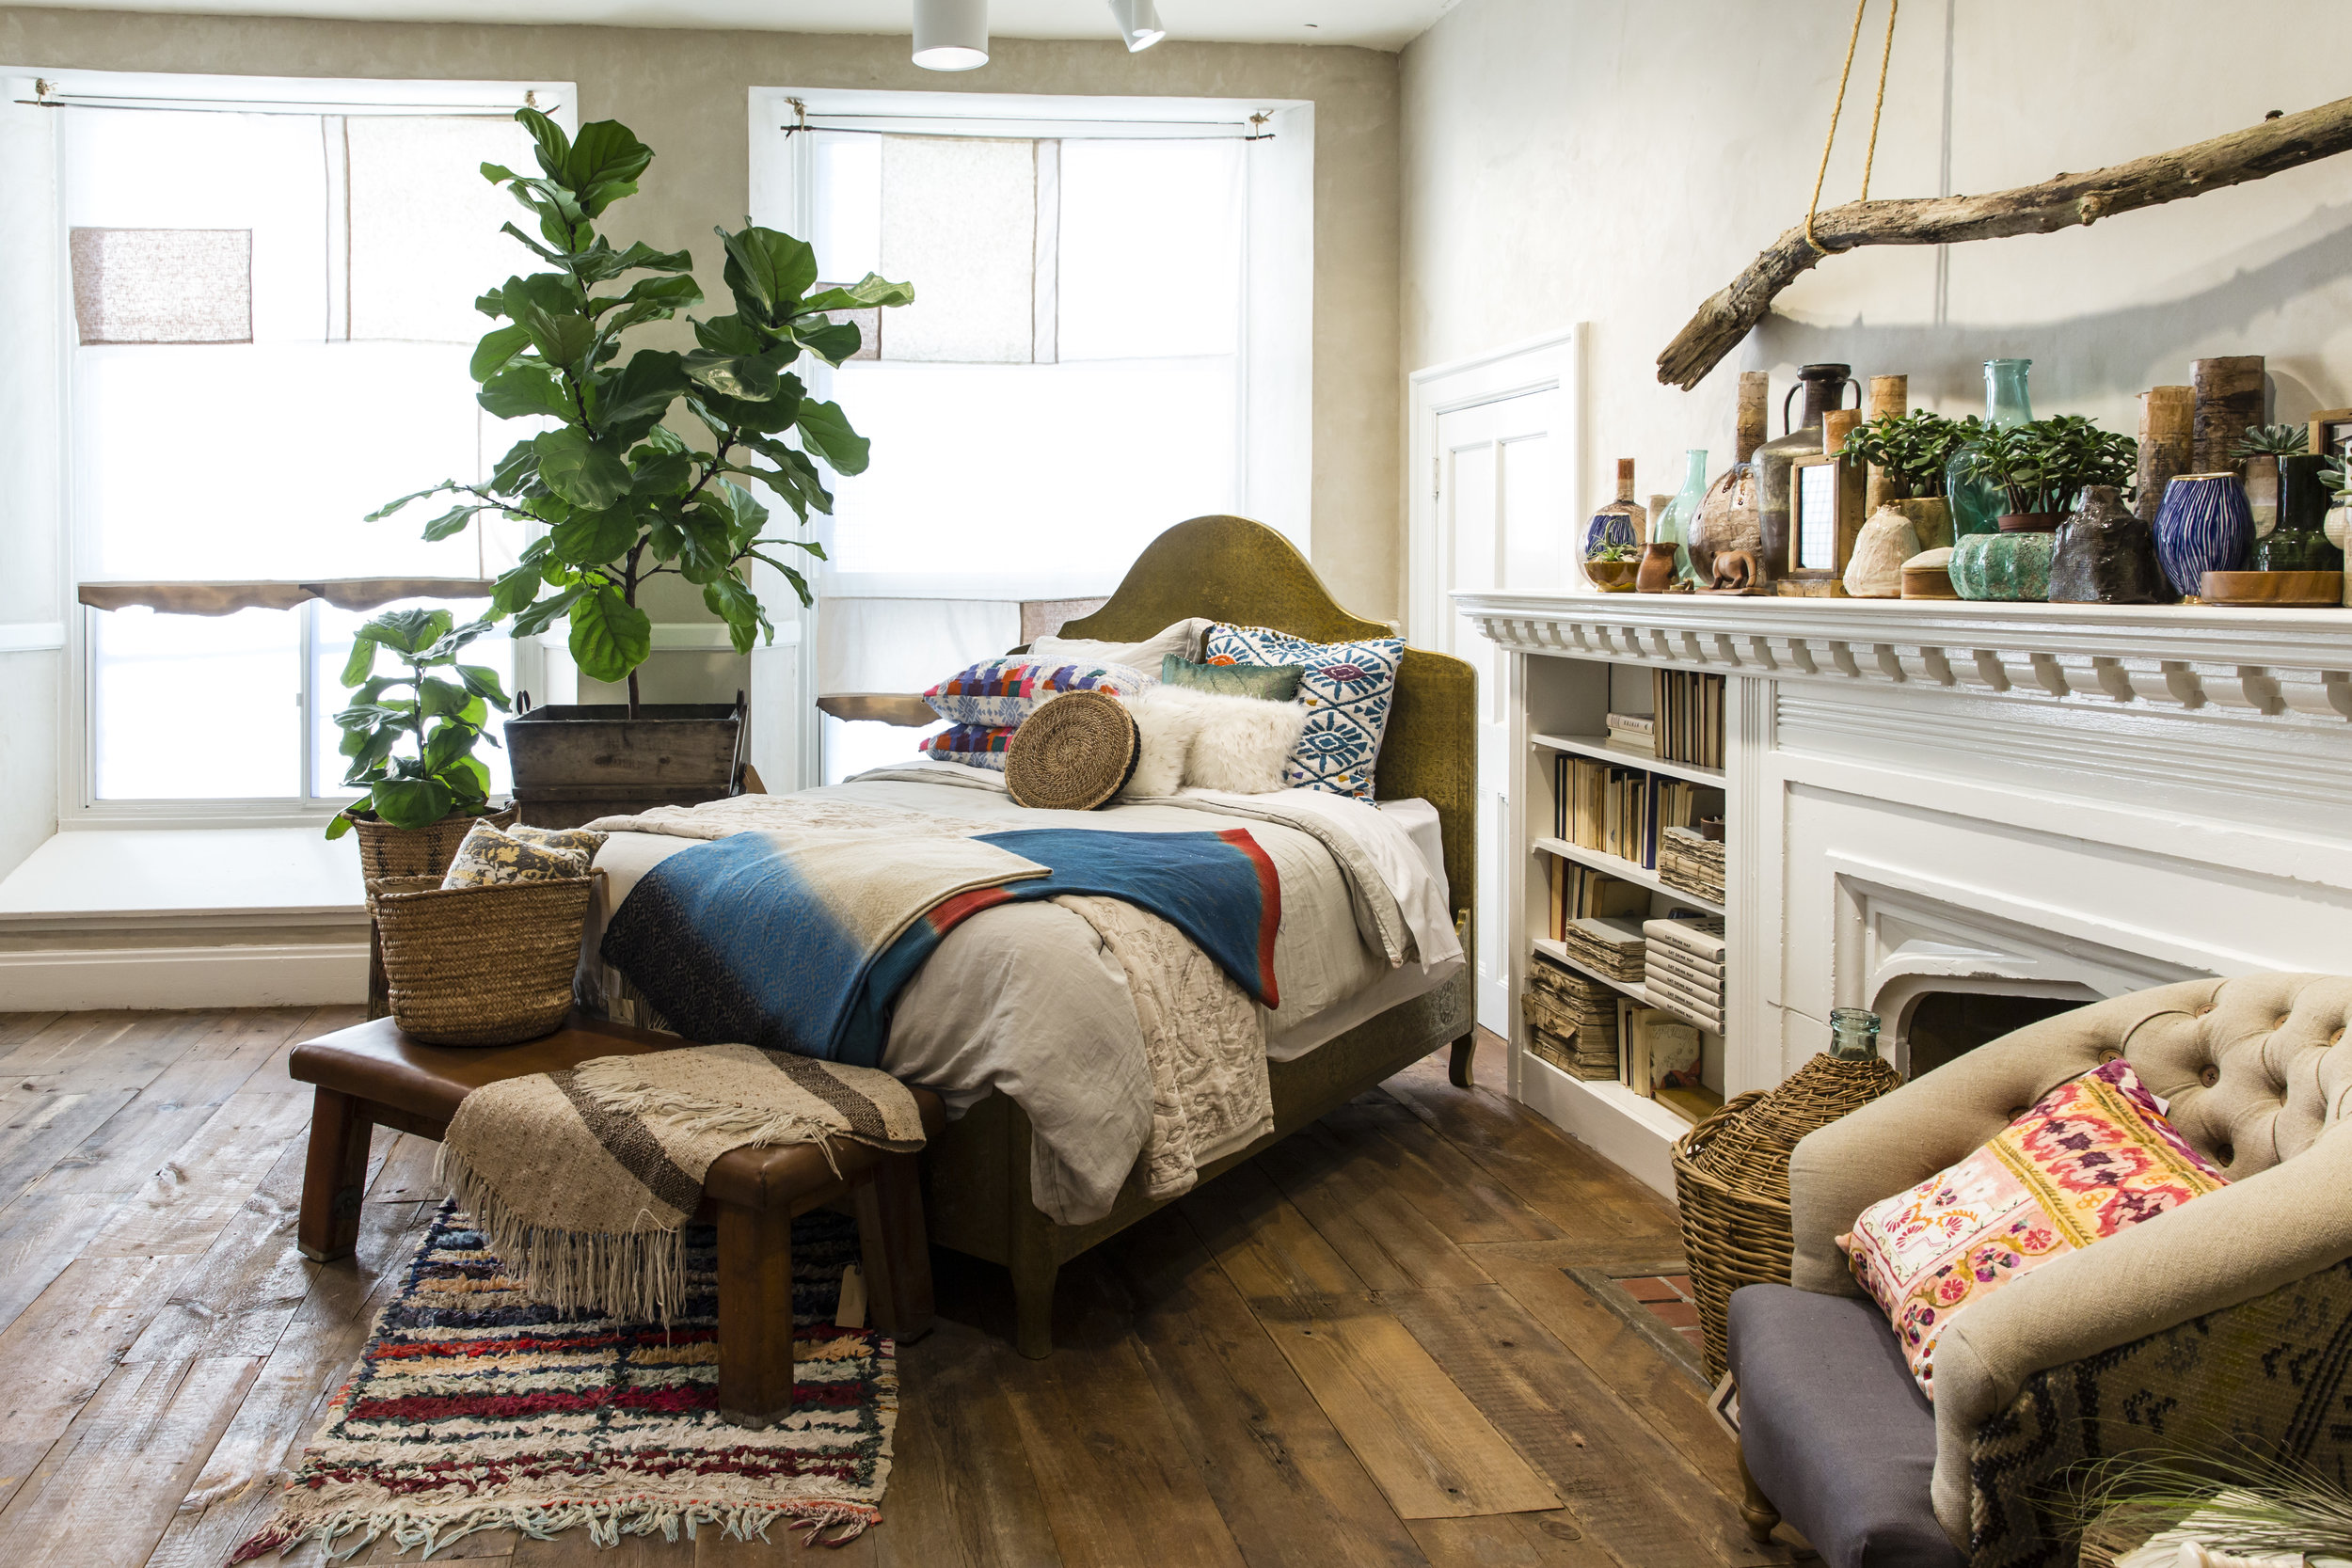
x: 2274, y: 590
x: 1928, y: 576
x: 1613, y: 576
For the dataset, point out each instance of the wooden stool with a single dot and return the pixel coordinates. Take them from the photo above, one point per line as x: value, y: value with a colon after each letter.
x: 373, y: 1075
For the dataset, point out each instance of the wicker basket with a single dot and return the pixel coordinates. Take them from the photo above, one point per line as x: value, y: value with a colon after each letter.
x: 1731, y: 1179
x: 480, y: 965
x: 389, y: 851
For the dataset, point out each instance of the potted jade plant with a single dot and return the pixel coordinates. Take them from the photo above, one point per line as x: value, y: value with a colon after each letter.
x: 623, y: 497
x: 2041, y: 468
x: 410, y: 736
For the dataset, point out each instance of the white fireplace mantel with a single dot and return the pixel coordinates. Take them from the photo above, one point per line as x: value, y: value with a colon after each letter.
x: 2056, y: 801
x: 2267, y: 662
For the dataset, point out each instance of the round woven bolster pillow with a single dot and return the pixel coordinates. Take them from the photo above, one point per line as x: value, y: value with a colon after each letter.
x: 1073, y: 753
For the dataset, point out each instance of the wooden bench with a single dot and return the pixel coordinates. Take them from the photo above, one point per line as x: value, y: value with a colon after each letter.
x: 373, y: 1075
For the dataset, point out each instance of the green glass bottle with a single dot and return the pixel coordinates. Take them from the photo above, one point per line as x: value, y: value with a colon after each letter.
x: 1673, y: 525
x: 1978, y: 504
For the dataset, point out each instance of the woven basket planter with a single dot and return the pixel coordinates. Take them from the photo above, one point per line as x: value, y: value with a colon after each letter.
x: 480, y: 965
x: 1731, y: 1181
x: 389, y: 851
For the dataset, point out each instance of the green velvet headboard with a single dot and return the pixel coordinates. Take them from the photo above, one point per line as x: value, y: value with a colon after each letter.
x: 1245, y: 573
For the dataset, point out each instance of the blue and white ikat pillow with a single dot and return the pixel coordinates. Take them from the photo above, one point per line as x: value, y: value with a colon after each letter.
x: 1348, y: 687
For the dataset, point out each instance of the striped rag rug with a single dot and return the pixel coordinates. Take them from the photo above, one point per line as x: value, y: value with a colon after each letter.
x: 474, y: 1407
x: 583, y: 1179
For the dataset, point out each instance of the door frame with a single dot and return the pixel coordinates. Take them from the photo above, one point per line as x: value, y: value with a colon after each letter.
x: 1539, y: 364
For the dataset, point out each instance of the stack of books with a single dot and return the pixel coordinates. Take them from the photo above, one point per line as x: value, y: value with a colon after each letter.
x: 1662, y: 1059
x: 1683, y: 965
x: 1688, y: 717
x: 1571, y: 1022
x: 1613, y: 945
x: 1605, y: 808
x: 1693, y: 863
x: 1633, y: 732
x: 1579, y: 891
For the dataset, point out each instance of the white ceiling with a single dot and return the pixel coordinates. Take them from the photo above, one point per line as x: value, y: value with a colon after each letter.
x: 1374, y: 23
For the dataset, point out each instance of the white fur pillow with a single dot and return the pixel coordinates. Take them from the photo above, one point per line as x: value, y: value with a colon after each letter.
x: 1243, y: 742
x: 1166, y: 722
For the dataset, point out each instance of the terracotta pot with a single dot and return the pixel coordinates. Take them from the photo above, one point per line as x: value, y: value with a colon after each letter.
x: 2032, y: 522
x: 1657, y: 574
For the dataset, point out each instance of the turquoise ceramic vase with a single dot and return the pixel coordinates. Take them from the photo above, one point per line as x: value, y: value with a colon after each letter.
x: 2007, y: 566
x: 1978, y: 504
x: 2203, y: 524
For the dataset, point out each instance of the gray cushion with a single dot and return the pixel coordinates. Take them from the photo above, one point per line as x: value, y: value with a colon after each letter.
x: 1834, y: 1429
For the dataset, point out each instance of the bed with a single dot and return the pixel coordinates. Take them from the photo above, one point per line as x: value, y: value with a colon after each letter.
x: 980, y: 1173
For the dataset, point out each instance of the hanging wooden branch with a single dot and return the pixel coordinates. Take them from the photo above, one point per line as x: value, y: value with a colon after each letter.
x: 2062, y: 202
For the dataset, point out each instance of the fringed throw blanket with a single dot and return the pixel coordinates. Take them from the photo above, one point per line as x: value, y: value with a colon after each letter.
x: 582, y: 1179
x: 731, y: 940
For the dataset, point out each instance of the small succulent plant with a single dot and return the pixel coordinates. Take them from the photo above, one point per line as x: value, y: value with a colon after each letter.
x: 2337, y: 476
x: 2272, y: 441
x: 1615, y: 552
x: 1910, y: 448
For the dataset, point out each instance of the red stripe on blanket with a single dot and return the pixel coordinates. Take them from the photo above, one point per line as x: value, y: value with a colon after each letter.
x: 948, y: 913
x: 1269, y: 906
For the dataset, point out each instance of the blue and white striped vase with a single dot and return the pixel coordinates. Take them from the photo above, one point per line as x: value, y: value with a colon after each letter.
x: 2203, y: 524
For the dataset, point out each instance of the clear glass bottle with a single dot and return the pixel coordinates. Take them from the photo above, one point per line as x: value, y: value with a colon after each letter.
x: 1853, y: 1033
x: 1673, y: 526
x: 1978, y: 504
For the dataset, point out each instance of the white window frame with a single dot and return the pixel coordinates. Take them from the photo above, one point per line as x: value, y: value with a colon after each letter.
x: 78, y: 804
x: 1274, y: 406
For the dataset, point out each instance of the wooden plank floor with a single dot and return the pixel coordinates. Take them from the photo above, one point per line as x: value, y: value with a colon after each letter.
x: 1362, y: 1348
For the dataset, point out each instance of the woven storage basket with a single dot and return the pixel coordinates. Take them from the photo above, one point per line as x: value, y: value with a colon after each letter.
x: 389, y: 851
x: 1073, y: 753
x: 480, y: 965
x: 1731, y: 1179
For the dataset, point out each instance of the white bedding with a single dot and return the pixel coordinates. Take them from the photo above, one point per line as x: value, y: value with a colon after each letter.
x: 1026, y: 999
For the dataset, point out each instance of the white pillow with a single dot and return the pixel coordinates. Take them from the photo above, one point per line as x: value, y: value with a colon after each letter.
x: 1166, y: 722
x: 1243, y: 742
x: 1183, y: 638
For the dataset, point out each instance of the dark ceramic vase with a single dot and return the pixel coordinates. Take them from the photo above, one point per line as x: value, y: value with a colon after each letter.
x: 2298, y: 542
x: 2105, y: 555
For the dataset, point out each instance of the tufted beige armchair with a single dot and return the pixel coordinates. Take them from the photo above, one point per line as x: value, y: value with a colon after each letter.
x: 2206, y: 1312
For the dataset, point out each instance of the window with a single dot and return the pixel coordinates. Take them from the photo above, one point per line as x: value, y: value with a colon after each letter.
x: 1107, y: 318
x: 267, y: 312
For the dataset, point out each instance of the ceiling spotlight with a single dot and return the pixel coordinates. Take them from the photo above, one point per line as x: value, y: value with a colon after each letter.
x: 1138, y: 23
x: 951, y: 35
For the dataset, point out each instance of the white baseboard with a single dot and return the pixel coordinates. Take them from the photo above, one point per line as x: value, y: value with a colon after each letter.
x: 1626, y: 1128
x: 262, y: 976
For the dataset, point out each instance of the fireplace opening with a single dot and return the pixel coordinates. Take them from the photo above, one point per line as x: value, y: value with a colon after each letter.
x: 1943, y: 1025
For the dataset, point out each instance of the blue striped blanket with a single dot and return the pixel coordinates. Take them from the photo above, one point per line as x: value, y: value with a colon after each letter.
x: 744, y: 939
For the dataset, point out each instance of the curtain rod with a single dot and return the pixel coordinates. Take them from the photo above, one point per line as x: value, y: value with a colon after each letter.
x: 1257, y: 123
x: 44, y: 97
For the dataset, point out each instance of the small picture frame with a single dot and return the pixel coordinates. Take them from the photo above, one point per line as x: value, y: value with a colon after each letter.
x: 1825, y: 494
x: 2331, y: 432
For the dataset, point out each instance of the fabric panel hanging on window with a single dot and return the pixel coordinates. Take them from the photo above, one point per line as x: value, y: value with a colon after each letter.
x: 163, y: 285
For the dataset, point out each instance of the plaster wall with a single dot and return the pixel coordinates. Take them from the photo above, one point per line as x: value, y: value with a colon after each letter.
x: 686, y: 93
x: 1615, y: 163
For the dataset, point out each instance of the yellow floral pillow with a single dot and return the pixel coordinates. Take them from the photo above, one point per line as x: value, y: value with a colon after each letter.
x: 582, y: 841
x: 489, y: 856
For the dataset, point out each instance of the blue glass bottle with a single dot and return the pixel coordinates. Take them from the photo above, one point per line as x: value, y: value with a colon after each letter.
x: 1978, y: 504
x: 1673, y: 526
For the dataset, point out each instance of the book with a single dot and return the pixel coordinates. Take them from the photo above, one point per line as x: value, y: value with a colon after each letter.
x: 1634, y: 724
x: 1578, y: 892
x: 1661, y: 1051
x: 1702, y: 935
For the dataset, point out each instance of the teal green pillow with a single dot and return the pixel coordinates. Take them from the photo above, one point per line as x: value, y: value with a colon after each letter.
x: 1276, y: 682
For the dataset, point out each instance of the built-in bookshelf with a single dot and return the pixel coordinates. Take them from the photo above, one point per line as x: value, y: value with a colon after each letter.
x: 1616, y: 755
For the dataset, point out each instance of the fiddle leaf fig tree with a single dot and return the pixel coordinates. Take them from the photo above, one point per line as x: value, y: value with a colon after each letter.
x: 410, y: 736
x: 624, y: 497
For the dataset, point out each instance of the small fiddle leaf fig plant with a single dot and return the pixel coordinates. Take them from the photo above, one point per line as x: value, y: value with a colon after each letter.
x: 1910, y: 448
x: 2044, y: 467
x: 623, y: 497
x: 410, y: 734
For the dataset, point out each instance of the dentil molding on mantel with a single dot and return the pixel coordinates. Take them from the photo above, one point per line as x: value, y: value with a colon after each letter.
x: 2258, y: 663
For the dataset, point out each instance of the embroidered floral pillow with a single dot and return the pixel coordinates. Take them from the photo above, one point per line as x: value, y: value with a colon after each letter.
x: 1348, y: 689
x: 2093, y: 1157
x: 488, y: 858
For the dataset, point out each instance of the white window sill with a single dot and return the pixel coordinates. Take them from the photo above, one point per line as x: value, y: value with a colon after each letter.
x: 165, y: 874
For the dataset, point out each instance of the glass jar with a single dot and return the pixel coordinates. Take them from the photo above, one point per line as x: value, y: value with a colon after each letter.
x: 1853, y: 1033
x: 1978, y: 504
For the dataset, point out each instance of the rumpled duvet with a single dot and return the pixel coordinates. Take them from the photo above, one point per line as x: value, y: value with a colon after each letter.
x: 1127, y: 1048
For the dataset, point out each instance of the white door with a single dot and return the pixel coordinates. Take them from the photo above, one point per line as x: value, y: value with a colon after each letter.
x: 1498, y: 511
